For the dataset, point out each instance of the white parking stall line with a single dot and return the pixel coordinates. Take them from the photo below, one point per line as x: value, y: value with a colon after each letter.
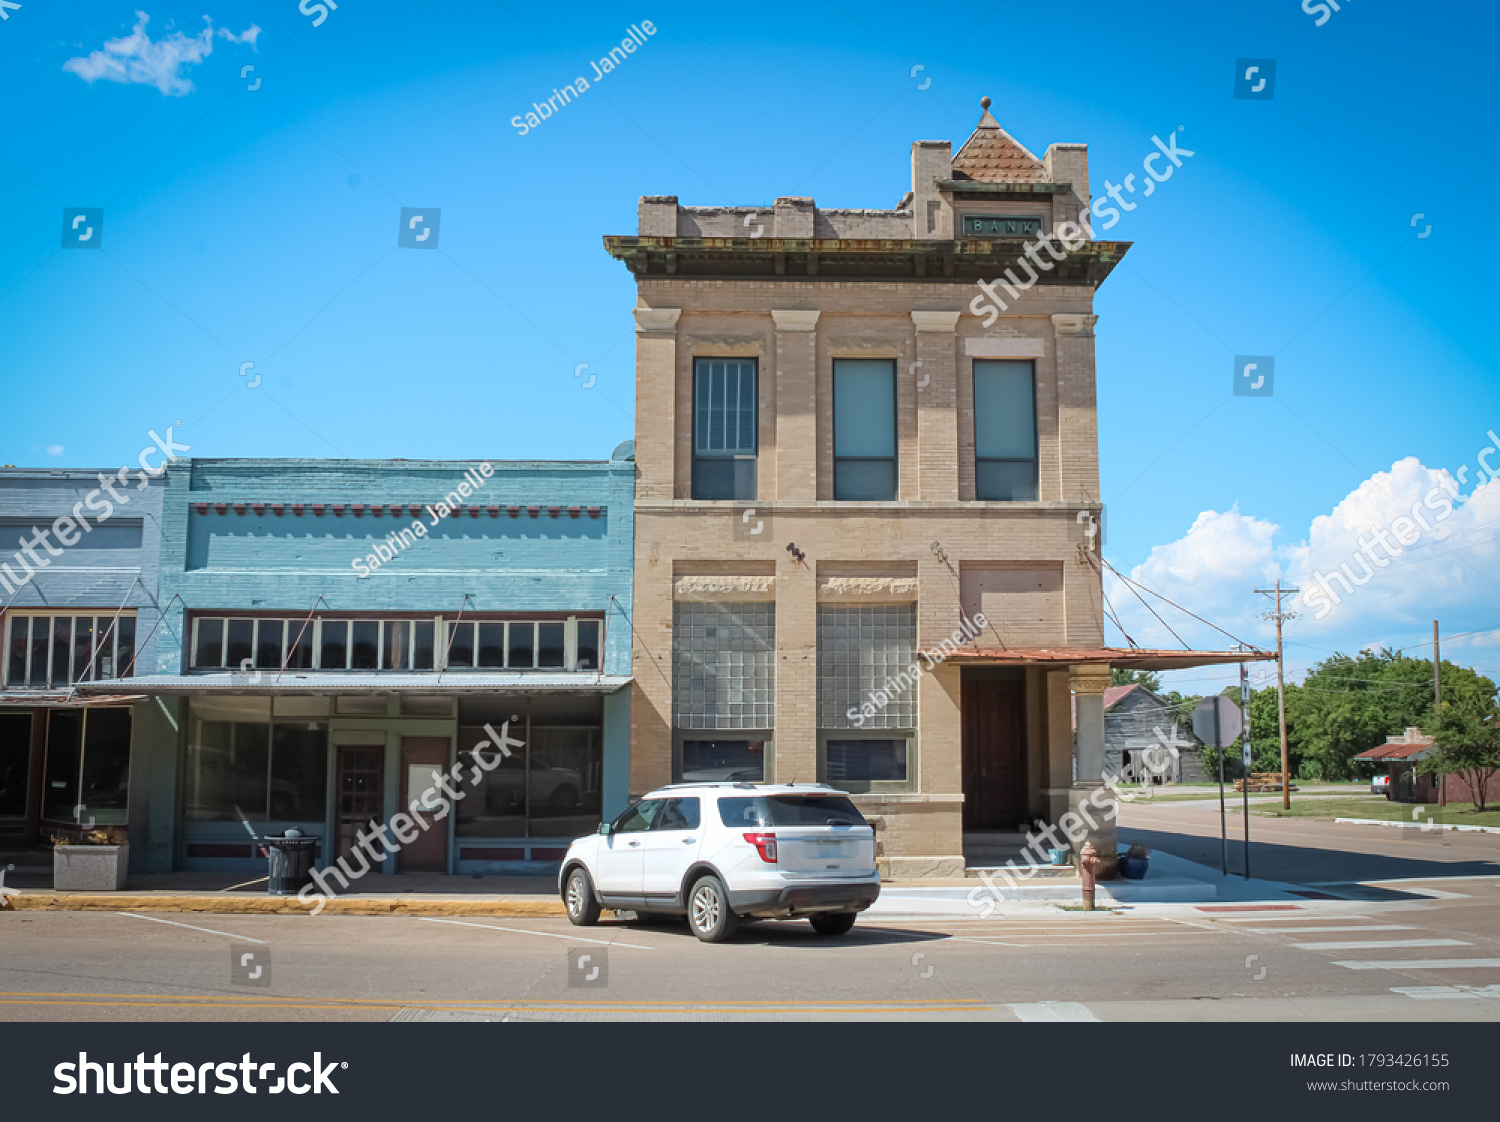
x: 190, y: 927
x: 1424, y: 964
x: 1380, y: 944
x: 1315, y: 930
x: 1053, y: 1011
x: 541, y: 934
x: 1280, y: 919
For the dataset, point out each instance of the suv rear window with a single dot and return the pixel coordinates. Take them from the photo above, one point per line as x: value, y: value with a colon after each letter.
x: 790, y: 810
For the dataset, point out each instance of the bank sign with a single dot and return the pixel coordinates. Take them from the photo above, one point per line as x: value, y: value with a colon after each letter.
x: 1001, y: 226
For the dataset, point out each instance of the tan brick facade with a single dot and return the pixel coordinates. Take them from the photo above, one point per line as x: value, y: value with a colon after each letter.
x: 795, y: 301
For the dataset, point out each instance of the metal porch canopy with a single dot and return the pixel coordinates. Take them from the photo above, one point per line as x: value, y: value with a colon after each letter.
x: 266, y: 682
x: 1127, y: 658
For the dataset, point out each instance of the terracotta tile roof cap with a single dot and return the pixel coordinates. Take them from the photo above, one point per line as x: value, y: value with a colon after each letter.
x: 992, y: 155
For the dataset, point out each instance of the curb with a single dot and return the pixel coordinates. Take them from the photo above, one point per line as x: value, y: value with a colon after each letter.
x: 281, y: 905
x: 1428, y: 826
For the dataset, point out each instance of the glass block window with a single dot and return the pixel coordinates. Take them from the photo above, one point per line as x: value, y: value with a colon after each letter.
x: 723, y: 666
x: 862, y: 649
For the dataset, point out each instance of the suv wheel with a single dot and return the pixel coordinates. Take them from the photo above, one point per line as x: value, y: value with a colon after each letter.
x: 578, y: 896
x: 709, y: 913
x: 833, y: 923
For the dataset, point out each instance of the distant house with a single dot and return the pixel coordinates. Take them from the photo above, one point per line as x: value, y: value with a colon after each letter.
x: 1400, y: 755
x: 1136, y: 721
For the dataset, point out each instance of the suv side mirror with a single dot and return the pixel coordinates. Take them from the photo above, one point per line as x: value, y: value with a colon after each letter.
x: 606, y: 828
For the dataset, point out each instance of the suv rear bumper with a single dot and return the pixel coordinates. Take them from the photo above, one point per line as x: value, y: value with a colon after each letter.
x: 803, y: 899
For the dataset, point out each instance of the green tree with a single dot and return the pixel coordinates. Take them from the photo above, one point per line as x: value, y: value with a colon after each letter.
x: 1467, y: 740
x: 1349, y: 704
x: 1148, y: 678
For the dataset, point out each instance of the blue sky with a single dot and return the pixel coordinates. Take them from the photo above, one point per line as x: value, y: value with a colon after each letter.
x: 259, y: 226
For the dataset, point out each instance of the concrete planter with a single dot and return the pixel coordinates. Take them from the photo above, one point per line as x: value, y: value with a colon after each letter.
x: 89, y: 868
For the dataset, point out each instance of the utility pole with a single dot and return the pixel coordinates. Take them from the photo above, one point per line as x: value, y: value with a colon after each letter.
x: 1437, y: 704
x: 1245, y: 784
x: 1280, y: 617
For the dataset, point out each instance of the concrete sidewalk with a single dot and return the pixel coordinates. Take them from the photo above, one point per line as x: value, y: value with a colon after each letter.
x: 1171, y: 880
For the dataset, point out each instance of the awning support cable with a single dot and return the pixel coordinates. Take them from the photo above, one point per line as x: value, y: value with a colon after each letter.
x: 286, y: 658
x: 89, y: 674
x: 452, y: 635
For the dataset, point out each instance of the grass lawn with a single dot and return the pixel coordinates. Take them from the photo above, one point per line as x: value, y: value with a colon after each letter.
x: 1376, y: 806
x: 1177, y: 793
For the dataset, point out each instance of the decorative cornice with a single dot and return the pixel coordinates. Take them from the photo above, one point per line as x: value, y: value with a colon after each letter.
x: 1090, y: 680
x: 795, y: 320
x: 935, y: 322
x: 724, y: 588
x: 656, y: 319
x: 854, y: 259
x: 868, y: 590
x: 1073, y: 323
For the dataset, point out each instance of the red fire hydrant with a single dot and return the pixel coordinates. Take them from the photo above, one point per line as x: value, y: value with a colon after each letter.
x: 1088, y: 866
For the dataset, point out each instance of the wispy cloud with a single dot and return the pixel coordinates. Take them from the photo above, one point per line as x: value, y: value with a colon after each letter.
x: 54, y: 449
x: 135, y: 59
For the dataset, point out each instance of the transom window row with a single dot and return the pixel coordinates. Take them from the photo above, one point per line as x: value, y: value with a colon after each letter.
x: 54, y: 651
x: 324, y: 643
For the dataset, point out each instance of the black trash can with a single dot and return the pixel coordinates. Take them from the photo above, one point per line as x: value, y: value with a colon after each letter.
x: 291, y: 857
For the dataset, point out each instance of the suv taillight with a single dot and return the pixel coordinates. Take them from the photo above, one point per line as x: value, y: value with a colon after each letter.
x: 765, y: 845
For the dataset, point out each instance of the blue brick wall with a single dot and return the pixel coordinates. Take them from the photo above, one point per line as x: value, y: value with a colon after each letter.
x: 270, y: 562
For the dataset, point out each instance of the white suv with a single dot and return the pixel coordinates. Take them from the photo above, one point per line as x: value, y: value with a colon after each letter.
x: 720, y: 852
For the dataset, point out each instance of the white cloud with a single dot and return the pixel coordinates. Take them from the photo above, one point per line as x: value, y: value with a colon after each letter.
x: 135, y: 60
x: 54, y: 449
x: 1210, y: 571
x: 1405, y: 547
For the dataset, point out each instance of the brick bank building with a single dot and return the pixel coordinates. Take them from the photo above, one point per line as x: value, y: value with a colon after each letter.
x: 842, y: 455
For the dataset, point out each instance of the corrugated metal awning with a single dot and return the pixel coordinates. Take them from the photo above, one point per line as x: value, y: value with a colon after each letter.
x: 1129, y: 658
x: 54, y: 700
x: 449, y: 682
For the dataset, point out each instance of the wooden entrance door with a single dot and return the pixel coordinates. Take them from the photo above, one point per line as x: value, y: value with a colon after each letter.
x: 993, y: 754
x: 361, y: 792
x: 420, y: 757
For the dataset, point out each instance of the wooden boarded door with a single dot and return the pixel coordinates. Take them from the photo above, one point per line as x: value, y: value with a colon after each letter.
x: 361, y: 793
x: 993, y: 754
x: 420, y: 757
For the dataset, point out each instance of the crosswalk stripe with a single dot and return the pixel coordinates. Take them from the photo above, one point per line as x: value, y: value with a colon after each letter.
x: 1314, y: 930
x: 1427, y: 993
x: 1380, y: 944
x: 1052, y: 1011
x: 1424, y: 964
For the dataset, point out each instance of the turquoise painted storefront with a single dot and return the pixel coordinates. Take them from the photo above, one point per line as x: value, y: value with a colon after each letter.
x: 335, y: 631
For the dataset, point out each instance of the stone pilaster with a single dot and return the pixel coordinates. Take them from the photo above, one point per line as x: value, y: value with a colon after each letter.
x: 796, y: 407
x: 658, y: 448
x: 1078, y: 452
x: 936, y: 374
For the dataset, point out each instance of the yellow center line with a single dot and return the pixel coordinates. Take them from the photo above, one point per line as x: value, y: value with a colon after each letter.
x: 456, y: 1002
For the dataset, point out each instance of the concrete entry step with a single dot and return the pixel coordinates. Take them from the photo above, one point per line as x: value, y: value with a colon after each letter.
x: 1023, y: 871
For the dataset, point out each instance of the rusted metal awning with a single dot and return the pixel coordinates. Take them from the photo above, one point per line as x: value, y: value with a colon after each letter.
x: 1059, y: 658
x: 54, y: 700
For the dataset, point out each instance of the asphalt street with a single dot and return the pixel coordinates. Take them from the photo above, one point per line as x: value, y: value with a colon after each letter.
x: 1396, y: 925
x: 1434, y: 959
